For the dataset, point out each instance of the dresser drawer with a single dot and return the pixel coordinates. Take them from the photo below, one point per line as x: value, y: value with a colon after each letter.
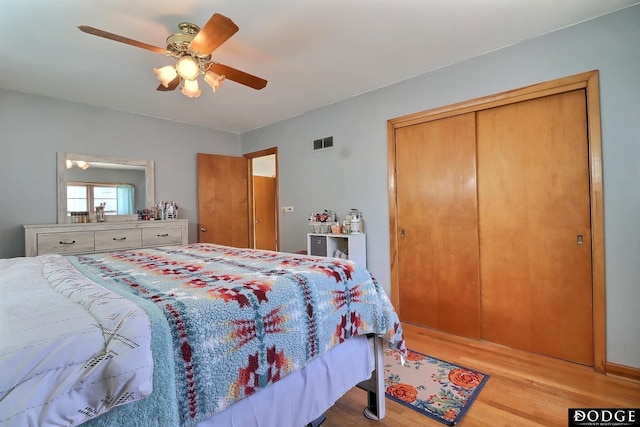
x: 65, y: 243
x: 108, y: 240
x: 161, y: 236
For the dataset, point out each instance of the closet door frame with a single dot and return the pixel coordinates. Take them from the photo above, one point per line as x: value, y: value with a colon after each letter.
x: 590, y: 83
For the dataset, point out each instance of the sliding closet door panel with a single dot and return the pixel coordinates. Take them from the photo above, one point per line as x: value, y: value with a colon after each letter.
x: 534, y: 224
x: 437, y: 225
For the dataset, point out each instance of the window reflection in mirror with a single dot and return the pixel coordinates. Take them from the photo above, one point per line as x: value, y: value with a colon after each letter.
x: 116, y: 185
x: 117, y: 199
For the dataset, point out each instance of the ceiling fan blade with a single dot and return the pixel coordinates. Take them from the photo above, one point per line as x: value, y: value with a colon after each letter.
x: 238, y: 76
x: 216, y: 31
x: 173, y: 84
x: 121, y: 39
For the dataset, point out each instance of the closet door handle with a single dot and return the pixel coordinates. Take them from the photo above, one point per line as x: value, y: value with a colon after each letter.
x: 580, y: 240
x: 402, y: 233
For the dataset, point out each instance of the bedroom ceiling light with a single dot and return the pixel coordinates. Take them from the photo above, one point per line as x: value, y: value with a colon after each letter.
x: 166, y: 74
x: 190, y: 89
x: 187, y: 70
x: 81, y: 164
x: 187, y: 67
x: 214, y: 80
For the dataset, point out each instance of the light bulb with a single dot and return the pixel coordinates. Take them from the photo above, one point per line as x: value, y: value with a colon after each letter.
x: 82, y: 164
x: 214, y: 80
x: 188, y: 68
x: 165, y: 74
x: 190, y: 88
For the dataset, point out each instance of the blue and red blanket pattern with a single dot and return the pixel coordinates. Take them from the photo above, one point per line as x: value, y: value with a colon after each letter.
x: 242, y: 319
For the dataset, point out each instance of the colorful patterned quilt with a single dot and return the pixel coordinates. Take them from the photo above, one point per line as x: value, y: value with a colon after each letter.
x: 242, y: 319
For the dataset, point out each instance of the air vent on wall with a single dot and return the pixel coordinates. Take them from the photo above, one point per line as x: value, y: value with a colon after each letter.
x: 323, y: 143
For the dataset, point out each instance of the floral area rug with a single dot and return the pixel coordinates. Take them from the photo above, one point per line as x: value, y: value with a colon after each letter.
x: 433, y: 387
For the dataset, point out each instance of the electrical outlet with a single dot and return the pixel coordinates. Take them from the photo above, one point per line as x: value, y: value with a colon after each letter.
x: 287, y: 209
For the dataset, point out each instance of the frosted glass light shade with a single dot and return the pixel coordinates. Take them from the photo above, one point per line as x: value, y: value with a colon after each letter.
x: 187, y: 68
x: 166, y: 74
x: 190, y: 89
x: 82, y: 164
x: 214, y: 80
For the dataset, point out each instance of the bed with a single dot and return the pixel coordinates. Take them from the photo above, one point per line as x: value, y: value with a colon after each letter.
x: 198, y: 335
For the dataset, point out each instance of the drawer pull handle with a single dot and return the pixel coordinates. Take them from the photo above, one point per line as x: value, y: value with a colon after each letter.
x: 67, y: 242
x: 119, y: 238
x: 162, y: 235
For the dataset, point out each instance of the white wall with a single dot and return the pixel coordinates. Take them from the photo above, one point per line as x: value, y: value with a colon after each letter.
x: 33, y: 129
x: 354, y: 173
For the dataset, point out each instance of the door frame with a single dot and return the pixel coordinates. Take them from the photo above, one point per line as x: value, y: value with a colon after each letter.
x: 252, y: 224
x: 588, y: 81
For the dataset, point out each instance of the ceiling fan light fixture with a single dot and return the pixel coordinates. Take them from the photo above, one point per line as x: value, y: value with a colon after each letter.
x: 82, y: 164
x: 188, y: 68
x: 165, y: 74
x: 214, y: 80
x: 191, y: 48
x: 190, y: 89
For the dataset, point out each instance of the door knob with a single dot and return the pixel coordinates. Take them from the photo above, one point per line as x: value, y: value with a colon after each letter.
x: 402, y: 234
x: 203, y: 229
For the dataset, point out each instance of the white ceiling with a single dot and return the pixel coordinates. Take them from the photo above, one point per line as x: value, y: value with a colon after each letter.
x: 312, y: 52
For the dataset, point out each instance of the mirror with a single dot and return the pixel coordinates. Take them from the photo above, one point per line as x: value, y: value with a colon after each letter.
x: 109, y: 169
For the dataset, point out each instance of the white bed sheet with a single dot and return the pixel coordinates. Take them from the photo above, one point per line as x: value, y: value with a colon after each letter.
x: 304, y: 395
x: 69, y: 349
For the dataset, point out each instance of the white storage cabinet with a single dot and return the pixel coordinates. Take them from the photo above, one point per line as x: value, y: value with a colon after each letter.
x: 327, y: 244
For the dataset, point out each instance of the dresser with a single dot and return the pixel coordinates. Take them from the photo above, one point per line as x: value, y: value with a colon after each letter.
x: 89, y: 238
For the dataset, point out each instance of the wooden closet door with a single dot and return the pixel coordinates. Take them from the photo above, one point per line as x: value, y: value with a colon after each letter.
x: 534, y: 222
x: 437, y: 240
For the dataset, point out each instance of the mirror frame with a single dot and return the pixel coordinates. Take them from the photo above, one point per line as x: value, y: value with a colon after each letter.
x: 149, y: 175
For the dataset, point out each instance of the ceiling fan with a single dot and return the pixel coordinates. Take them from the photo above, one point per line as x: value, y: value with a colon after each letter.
x: 192, y: 47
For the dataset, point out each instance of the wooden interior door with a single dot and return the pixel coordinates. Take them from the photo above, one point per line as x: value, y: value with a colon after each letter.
x: 437, y: 238
x: 534, y: 213
x: 264, y: 212
x: 223, y: 200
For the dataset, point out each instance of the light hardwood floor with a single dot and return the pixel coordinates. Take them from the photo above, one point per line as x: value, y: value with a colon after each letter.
x: 524, y: 389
